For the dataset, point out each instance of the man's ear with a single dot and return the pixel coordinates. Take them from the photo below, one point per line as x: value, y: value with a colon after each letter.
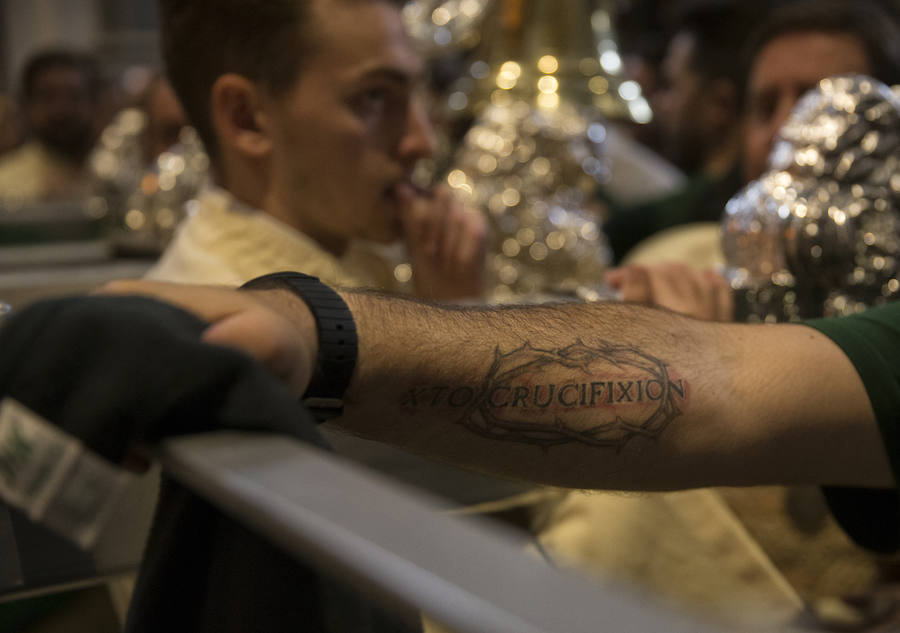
x: 235, y: 105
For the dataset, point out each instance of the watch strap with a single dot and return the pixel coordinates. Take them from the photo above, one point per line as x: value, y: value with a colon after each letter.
x: 336, y: 358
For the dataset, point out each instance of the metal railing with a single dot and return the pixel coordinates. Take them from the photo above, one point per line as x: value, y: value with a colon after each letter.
x: 467, y: 573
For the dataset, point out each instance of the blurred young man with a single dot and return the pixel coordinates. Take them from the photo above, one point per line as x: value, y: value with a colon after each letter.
x: 311, y: 115
x: 697, y: 106
x: 59, y: 95
x: 794, y: 48
x: 801, y: 44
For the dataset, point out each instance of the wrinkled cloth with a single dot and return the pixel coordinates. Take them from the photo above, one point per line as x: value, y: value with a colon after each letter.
x: 223, y: 241
x: 120, y: 373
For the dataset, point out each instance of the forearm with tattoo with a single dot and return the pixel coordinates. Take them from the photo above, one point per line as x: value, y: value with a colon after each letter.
x: 563, y: 394
x: 580, y: 395
x: 529, y: 395
x: 610, y: 396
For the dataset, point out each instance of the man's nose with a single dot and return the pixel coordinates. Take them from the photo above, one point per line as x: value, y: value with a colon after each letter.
x: 419, y: 139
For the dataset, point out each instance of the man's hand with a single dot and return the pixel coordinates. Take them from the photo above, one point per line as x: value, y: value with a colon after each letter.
x: 273, y: 326
x: 446, y: 243
x: 678, y: 287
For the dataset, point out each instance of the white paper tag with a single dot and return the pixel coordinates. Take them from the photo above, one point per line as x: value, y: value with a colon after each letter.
x: 49, y: 475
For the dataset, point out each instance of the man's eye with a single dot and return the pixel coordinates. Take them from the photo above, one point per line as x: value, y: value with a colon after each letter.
x: 372, y: 102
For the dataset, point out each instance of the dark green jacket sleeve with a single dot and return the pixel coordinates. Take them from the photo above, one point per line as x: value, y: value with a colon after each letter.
x: 871, y: 341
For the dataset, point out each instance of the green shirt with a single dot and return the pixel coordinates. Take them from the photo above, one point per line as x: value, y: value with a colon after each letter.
x: 702, y: 199
x: 871, y: 341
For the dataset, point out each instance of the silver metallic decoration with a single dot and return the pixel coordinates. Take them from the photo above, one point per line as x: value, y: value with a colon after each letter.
x: 532, y: 171
x: 579, y: 34
x: 144, y: 202
x: 441, y: 27
x: 819, y: 233
x: 545, y: 75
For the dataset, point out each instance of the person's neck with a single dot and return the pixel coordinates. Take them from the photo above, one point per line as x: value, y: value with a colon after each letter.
x: 253, y: 185
x: 241, y: 190
x: 276, y: 206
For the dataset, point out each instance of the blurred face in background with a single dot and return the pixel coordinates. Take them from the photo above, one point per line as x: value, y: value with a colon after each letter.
x: 348, y: 134
x: 784, y: 69
x: 59, y: 111
x: 695, y: 113
x: 676, y: 102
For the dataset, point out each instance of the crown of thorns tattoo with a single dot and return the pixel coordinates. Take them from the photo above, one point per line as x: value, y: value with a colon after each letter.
x: 485, y: 418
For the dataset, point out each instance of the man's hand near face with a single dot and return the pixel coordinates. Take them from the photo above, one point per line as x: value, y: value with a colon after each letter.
x: 446, y: 242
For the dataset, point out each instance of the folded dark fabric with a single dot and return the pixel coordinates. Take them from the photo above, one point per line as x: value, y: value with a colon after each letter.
x: 119, y: 371
x: 124, y: 372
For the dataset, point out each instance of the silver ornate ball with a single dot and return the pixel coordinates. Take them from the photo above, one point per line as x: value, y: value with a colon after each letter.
x: 819, y: 233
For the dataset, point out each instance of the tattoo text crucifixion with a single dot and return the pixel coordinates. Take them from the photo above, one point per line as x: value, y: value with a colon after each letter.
x: 601, y: 395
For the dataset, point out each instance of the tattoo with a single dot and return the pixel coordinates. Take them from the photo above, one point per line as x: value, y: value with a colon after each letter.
x: 638, y: 399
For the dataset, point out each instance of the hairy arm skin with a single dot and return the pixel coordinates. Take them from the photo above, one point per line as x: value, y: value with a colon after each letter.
x: 761, y: 404
x: 642, y: 399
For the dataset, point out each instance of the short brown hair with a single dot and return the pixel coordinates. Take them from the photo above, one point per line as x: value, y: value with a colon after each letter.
x: 263, y: 40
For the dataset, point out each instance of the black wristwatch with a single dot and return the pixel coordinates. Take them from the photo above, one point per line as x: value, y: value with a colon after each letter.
x: 336, y: 360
